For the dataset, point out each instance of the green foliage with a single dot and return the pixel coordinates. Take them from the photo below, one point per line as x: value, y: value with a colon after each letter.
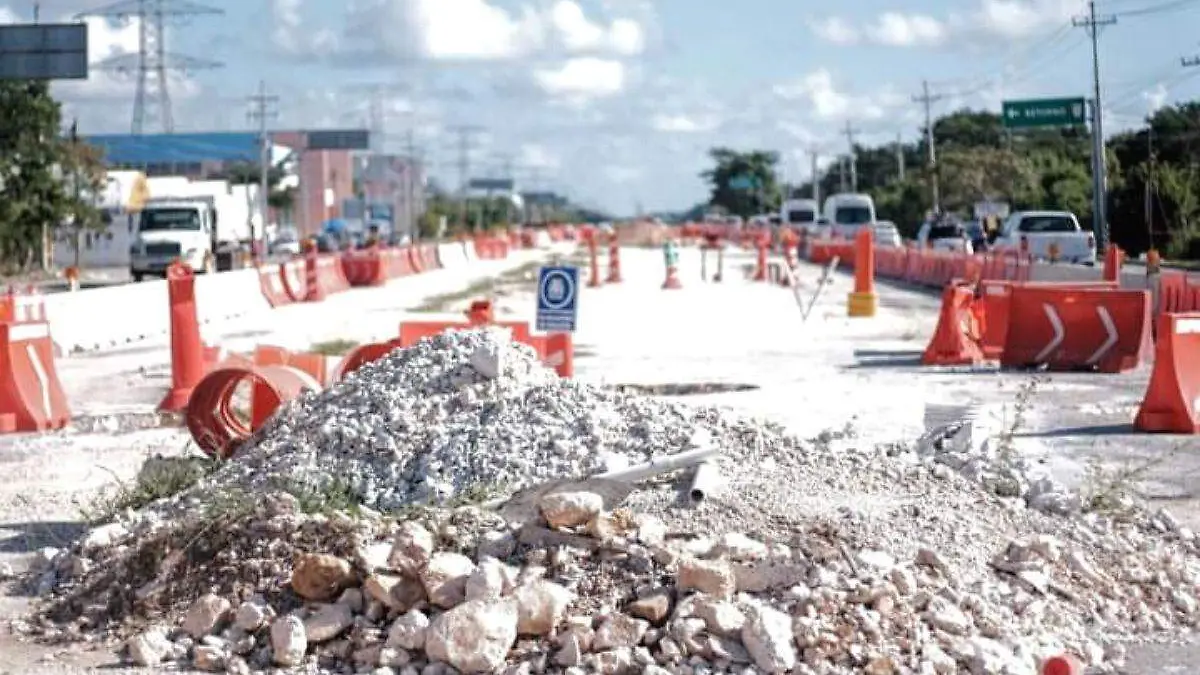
x: 756, y: 168
x: 35, y: 196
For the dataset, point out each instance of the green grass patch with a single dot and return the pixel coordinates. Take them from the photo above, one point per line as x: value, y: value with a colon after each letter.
x: 338, y: 347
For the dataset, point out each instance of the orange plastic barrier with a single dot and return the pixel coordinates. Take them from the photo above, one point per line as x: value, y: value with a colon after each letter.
x: 1077, y: 328
x: 1172, y: 400
x: 26, y: 306
x: 361, y: 355
x: 216, y: 426
x: 270, y: 280
x: 995, y: 301
x: 415, y: 260
x: 31, y: 395
x: 294, y: 276
x: 263, y: 401
x: 190, y: 358
x: 429, y: 257
x: 956, y: 339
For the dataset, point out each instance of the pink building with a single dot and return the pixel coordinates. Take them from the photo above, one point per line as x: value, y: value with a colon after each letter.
x: 326, y: 181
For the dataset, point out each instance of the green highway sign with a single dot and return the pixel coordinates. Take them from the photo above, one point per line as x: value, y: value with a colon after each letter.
x: 1045, y: 112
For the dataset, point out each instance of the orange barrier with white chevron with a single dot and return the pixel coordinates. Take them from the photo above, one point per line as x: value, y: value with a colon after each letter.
x: 31, y: 395
x: 1172, y: 400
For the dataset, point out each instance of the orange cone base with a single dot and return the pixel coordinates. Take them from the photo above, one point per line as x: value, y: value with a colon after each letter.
x: 176, y: 400
x: 672, y: 282
x: 595, y: 282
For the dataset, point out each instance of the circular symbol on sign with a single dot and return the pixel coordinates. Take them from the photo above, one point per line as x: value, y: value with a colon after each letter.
x: 558, y: 289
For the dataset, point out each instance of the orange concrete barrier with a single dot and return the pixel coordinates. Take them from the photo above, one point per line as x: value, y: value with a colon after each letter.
x: 190, y: 358
x: 270, y: 280
x: 956, y: 338
x: 31, y: 395
x: 216, y: 426
x: 1172, y: 400
x: 1077, y: 328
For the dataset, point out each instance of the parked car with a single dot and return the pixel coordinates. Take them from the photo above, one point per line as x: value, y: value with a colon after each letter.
x: 1047, y: 232
x: 287, y: 242
x: 944, y: 235
x: 887, y: 234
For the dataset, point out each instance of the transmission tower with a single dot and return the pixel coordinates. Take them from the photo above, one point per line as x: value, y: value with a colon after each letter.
x: 152, y: 62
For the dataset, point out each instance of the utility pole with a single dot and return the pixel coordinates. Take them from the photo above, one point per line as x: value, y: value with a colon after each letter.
x: 37, y: 11
x: 262, y: 110
x: 853, y: 157
x: 814, y: 156
x: 928, y: 100
x: 466, y: 137
x: 413, y: 164
x: 1093, y: 24
x: 900, y: 157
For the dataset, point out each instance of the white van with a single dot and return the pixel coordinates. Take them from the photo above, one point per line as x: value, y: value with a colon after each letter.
x: 848, y: 212
x: 799, y: 213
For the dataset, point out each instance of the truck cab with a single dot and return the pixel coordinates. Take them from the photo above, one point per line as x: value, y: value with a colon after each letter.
x: 848, y: 212
x: 168, y: 230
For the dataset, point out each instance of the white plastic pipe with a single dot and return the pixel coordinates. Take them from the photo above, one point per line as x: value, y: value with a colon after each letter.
x: 663, y: 464
x: 706, y: 482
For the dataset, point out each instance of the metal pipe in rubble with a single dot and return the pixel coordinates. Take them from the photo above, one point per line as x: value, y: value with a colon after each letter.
x: 705, y: 482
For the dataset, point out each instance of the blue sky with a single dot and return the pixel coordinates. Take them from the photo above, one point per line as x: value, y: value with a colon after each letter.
x: 616, y: 101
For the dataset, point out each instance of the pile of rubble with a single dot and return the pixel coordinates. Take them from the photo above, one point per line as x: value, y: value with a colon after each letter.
x: 810, y: 557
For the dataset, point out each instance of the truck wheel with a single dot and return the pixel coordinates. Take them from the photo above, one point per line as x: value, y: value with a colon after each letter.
x: 137, y: 277
x: 210, y: 265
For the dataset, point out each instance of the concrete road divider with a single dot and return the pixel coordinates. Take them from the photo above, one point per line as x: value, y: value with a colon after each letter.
x: 31, y: 395
x: 1172, y: 400
x: 270, y: 280
x: 1077, y: 328
x: 451, y: 256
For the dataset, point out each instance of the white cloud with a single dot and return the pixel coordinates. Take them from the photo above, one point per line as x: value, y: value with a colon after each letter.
x: 455, y: 30
x: 907, y: 30
x: 828, y: 103
x: 1156, y: 98
x: 110, y: 40
x: 996, y: 19
x: 622, y: 174
x: 581, y: 35
x: 684, y: 123
x: 539, y: 156
x: 836, y: 30
x: 582, y: 78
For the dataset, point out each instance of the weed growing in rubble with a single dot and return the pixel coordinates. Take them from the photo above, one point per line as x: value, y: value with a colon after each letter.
x: 337, y: 496
x: 1115, y: 491
x: 1006, y: 446
x: 336, y: 347
x: 159, y: 478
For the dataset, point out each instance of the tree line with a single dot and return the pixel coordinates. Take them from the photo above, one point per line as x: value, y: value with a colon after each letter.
x: 1153, y: 176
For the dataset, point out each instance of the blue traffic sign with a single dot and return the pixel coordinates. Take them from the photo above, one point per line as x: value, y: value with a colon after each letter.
x: 558, y: 299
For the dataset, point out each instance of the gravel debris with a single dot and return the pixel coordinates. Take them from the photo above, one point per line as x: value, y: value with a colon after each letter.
x: 816, y: 556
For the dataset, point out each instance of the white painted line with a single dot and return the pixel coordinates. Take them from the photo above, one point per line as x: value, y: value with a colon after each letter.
x: 1110, y: 342
x: 1059, y: 334
x: 1187, y: 326
x: 995, y: 289
x: 20, y: 332
x: 39, y: 371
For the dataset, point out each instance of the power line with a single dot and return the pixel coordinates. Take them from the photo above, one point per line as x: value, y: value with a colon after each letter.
x: 262, y: 110
x: 1093, y: 24
x: 927, y: 99
x: 466, y: 137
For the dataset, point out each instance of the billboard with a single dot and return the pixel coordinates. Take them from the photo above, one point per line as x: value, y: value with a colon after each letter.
x: 338, y: 139
x: 43, y: 51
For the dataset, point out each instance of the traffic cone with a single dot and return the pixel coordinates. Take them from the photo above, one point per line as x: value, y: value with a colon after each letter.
x: 594, y: 280
x: 187, y: 349
x: 760, y: 267
x: 672, y: 281
x: 863, y: 302
x: 614, y: 262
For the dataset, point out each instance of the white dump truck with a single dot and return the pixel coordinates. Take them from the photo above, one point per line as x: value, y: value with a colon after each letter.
x: 206, y: 231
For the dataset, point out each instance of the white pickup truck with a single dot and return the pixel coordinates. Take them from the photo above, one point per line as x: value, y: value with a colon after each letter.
x: 1038, y: 231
